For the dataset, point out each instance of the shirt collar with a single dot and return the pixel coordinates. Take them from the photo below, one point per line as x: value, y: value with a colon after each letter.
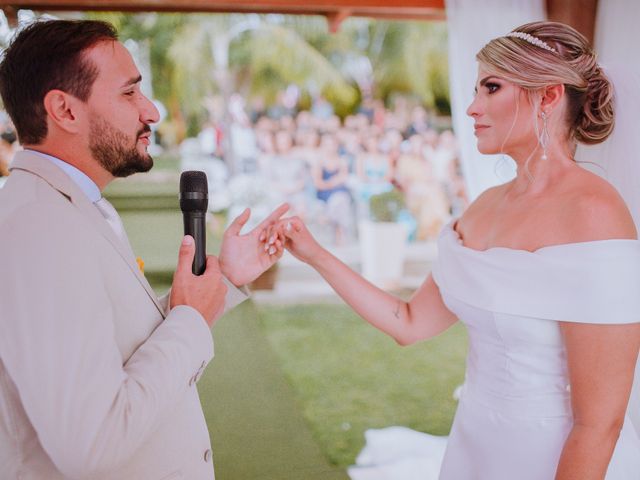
x: 87, y: 185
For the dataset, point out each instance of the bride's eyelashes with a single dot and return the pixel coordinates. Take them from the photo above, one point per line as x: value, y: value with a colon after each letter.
x: 492, y: 87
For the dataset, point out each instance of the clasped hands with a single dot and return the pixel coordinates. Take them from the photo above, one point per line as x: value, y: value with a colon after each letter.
x: 242, y: 258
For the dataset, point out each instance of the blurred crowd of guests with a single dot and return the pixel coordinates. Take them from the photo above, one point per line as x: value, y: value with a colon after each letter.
x: 328, y: 169
x: 8, y: 144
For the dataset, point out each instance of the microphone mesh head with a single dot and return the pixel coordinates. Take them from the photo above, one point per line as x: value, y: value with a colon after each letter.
x: 193, y: 181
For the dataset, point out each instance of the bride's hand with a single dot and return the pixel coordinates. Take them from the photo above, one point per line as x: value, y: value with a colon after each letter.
x: 297, y: 239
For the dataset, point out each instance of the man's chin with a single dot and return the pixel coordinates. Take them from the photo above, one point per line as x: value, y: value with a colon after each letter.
x: 142, y: 165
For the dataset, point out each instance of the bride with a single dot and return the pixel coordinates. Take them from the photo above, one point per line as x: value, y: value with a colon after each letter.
x: 543, y: 270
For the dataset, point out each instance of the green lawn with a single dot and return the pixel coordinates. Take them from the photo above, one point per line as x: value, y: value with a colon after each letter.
x: 349, y: 377
x: 255, y: 420
x: 292, y: 390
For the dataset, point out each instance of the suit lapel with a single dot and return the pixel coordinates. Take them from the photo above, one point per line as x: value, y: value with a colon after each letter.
x: 61, y: 182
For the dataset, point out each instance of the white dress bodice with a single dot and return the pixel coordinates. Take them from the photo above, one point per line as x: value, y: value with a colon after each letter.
x: 515, y: 409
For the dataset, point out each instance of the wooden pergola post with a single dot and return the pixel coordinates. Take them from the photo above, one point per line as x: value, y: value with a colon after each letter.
x: 580, y: 14
x: 12, y: 15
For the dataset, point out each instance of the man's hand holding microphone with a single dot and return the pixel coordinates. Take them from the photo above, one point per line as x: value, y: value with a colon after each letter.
x: 198, y: 280
x: 204, y: 292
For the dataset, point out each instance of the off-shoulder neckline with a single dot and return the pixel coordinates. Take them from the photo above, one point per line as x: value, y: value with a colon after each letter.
x: 450, y: 228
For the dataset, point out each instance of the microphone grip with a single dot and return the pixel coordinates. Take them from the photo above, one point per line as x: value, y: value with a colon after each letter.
x: 194, y: 225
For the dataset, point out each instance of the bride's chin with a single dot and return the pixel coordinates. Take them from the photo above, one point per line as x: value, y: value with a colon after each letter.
x: 487, y: 149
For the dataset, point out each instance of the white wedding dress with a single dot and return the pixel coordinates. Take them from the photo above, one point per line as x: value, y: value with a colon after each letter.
x: 515, y: 413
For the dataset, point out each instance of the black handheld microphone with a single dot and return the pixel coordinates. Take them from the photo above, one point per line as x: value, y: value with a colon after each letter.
x: 194, y: 199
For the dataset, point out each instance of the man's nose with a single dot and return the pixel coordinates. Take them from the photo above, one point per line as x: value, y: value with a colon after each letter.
x: 148, y: 112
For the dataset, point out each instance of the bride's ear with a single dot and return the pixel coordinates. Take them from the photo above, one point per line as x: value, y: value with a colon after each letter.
x: 551, y: 96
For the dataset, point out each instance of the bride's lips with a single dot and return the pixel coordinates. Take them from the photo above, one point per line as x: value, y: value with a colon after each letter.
x: 477, y: 128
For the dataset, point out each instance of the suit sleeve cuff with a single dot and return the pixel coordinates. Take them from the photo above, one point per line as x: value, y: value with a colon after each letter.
x: 189, y: 320
x: 235, y: 295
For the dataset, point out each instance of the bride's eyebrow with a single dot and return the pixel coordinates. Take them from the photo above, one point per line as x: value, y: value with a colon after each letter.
x: 484, y: 81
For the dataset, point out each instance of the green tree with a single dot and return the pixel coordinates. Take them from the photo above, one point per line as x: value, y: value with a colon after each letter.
x: 408, y: 57
x: 277, y: 50
x: 262, y: 60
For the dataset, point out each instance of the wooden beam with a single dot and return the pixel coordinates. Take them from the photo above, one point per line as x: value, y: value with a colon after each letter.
x: 580, y: 14
x: 206, y: 4
x: 401, y: 9
x: 335, y: 11
x: 11, y: 15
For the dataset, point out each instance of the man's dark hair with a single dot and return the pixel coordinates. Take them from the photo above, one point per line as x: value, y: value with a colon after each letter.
x: 44, y: 56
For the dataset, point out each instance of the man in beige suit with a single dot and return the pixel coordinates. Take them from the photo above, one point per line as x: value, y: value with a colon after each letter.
x: 97, y: 375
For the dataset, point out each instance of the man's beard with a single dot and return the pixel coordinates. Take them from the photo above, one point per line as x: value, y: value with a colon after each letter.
x: 110, y: 147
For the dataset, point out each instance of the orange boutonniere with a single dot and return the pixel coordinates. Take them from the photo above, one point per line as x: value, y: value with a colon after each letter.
x: 140, y: 263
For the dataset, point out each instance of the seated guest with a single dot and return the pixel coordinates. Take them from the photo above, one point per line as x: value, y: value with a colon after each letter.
x: 375, y: 173
x: 288, y: 173
x: 330, y: 173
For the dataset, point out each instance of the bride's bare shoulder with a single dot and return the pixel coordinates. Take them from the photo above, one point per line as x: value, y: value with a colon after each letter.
x: 594, y: 210
x: 485, y: 200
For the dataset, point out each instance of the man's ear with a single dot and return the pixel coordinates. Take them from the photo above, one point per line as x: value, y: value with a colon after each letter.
x: 551, y: 97
x: 62, y: 109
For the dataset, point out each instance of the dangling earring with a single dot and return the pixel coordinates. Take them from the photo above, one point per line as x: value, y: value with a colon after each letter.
x: 543, y: 138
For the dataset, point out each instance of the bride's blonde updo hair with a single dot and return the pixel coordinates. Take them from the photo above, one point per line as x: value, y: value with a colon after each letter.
x: 589, y: 93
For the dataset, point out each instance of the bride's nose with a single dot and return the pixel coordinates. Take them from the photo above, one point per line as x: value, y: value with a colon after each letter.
x: 473, y: 109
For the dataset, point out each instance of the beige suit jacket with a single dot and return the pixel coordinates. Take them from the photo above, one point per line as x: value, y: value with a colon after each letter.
x: 96, y: 380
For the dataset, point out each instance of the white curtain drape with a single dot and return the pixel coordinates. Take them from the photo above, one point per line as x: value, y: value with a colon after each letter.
x: 618, y: 45
x: 471, y: 25
x: 618, y: 159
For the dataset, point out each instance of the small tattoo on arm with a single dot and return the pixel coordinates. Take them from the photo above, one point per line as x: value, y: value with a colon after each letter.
x: 396, y: 312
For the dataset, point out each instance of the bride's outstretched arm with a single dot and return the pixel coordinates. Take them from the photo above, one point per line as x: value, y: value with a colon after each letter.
x: 422, y: 317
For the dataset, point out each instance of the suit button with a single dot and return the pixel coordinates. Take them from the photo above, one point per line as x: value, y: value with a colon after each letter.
x: 207, y: 456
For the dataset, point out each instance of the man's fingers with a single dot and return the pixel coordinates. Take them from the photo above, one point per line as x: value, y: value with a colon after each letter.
x: 238, y: 223
x: 275, y: 215
x: 185, y: 255
x: 277, y: 254
x: 274, y: 237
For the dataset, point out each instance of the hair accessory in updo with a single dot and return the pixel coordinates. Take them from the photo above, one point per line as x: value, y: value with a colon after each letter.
x: 527, y: 37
